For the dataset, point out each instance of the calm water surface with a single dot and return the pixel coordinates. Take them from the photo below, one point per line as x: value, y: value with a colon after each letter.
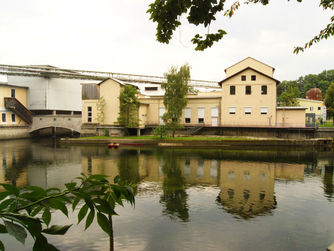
x: 189, y: 199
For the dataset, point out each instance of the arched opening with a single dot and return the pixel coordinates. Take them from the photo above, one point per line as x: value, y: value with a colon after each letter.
x: 55, y: 132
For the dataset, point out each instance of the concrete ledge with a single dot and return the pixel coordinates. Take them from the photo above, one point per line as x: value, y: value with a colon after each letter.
x: 14, y: 132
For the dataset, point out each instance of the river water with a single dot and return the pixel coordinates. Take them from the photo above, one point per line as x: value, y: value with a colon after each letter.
x: 189, y: 199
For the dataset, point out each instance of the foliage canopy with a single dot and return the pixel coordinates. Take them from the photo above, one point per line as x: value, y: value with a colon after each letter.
x: 30, y: 210
x: 203, y: 12
x: 129, y: 104
x: 329, y: 100
x: 175, y: 97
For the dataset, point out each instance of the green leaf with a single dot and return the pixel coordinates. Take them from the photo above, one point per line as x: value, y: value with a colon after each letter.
x: 75, y: 202
x: 11, y: 188
x: 103, y: 222
x: 46, y: 216
x: 41, y: 243
x: 4, y: 195
x: 2, y: 247
x: 6, y: 203
x: 37, y: 190
x: 90, y: 218
x: 82, y: 213
x: 3, y: 229
x: 57, y: 230
x: 116, y: 179
x: 36, y: 210
x: 16, y: 230
x: 71, y: 185
x: 59, y: 204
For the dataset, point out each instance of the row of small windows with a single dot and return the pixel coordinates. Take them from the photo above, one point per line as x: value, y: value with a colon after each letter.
x: 311, y: 108
x: 248, y: 90
x: 244, y: 78
x: 248, y: 110
x: 4, y: 118
x: 246, y: 194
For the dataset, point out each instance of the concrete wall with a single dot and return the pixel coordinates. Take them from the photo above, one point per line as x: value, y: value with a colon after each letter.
x: 89, y: 103
x: 255, y: 100
x: 51, y: 93
x: 110, y: 91
x: 249, y: 62
x: 201, y: 100
x: 290, y: 118
x: 14, y: 132
x: 20, y: 95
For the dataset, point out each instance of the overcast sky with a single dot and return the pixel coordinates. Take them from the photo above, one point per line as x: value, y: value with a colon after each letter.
x: 117, y: 36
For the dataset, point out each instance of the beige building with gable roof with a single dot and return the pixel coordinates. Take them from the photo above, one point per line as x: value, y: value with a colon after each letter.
x: 247, y: 99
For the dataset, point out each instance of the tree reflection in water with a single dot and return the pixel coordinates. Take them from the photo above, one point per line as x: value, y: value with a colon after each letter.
x: 328, y: 181
x: 175, y: 197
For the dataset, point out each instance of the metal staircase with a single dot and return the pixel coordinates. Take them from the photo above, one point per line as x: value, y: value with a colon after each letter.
x: 19, y: 109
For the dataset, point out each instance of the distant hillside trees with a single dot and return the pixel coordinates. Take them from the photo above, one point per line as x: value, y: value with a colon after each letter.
x: 305, y: 83
x: 329, y: 101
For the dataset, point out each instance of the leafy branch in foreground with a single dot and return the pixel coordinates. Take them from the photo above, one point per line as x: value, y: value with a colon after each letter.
x: 166, y: 14
x: 30, y: 210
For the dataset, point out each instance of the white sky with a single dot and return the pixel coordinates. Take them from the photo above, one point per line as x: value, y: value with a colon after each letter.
x: 117, y: 36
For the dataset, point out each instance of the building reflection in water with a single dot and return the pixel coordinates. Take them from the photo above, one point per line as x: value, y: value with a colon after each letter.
x: 247, y: 188
x: 13, y: 164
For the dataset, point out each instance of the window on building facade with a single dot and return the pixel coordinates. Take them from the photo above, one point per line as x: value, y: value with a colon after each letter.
x: 89, y: 114
x: 253, y: 77
x: 319, y: 108
x: 264, y: 110
x: 200, y: 115
x: 151, y: 88
x: 263, y: 89
x: 243, y: 78
x: 232, y: 90
x: 13, y: 118
x: 311, y: 108
x: 12, y: 93
x: 248, y: 110
x: 187, y: 115
x: 3, y: 117
x: 248, y: 90
x: 232, y: 110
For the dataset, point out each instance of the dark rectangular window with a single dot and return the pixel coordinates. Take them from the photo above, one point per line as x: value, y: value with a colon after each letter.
x: 243, y: 78
x: 151, y: 88
x: 12, y: 93
x: 248, y: 90
x: 201, y: 120
x: 89, y: 114
x: 3, y: 117
x: 319, y: 108
x: 263, y: 89
x: 187, y: 120
x: 13, y: 118
x: 232, y: 90
x: 253, y: 77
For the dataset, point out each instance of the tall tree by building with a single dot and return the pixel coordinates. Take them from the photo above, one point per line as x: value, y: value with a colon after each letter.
x: 129, y: 104
x: 175, y: 100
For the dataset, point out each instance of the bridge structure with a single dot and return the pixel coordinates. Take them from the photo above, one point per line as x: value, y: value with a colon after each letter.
x: 70, y: 122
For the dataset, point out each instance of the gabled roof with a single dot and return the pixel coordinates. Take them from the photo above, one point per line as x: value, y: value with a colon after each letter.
x: 246, y: 59
x: 118, y: 81
x: 248, y: 68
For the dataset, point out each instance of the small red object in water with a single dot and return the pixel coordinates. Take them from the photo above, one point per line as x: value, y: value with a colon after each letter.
x: 113, y: 145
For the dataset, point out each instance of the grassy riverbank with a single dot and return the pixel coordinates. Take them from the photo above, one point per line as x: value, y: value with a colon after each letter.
x: 197, y: 138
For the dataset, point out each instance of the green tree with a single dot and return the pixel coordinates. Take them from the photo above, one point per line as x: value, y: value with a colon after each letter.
x: 203, y: 12
x: 129, y: 104
x: 101, y: 103
x: 329, y: 100
x: 175, y: 97
x: 289, y: 94
x: 30, y: 210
